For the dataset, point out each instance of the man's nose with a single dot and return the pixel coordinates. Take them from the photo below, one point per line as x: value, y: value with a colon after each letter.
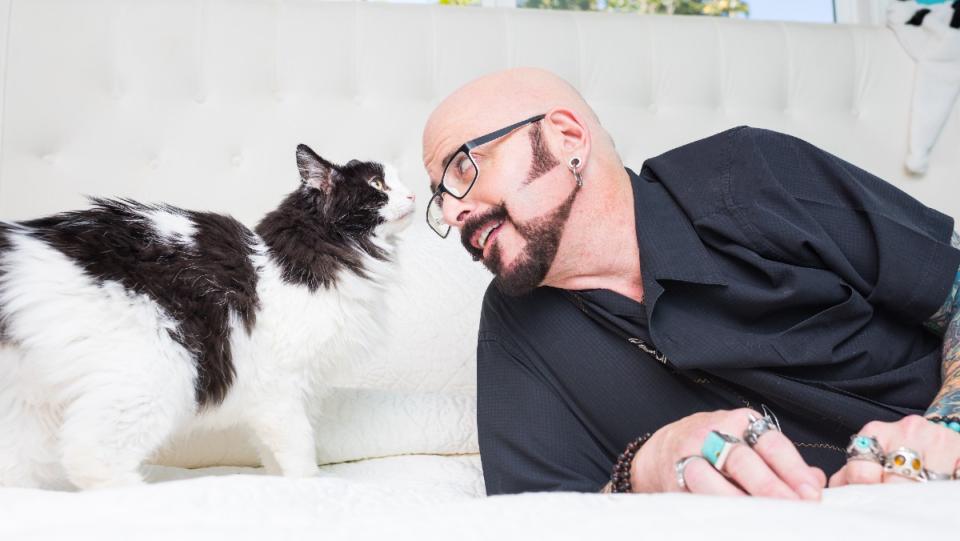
x: 455, y: 211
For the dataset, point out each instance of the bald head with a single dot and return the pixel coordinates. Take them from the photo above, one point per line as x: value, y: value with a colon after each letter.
x: 526, y: 198
x: 496, y: 100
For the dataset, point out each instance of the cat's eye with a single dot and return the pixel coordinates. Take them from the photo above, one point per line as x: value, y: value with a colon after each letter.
x: 378, y: 184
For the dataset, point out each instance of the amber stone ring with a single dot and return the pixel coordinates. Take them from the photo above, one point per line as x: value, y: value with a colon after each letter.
x: 907, y: 463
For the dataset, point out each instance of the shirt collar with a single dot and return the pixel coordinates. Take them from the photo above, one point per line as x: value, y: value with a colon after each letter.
x: 670, y: 248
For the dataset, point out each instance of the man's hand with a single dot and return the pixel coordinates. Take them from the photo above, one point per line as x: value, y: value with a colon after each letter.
x: 773, y: 468
x: 939, y: 447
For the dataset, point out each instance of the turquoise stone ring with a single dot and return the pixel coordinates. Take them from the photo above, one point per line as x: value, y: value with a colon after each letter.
x: 865, y: 448
x: 716, y: 448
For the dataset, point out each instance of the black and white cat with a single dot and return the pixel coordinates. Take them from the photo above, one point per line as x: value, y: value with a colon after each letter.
x: 126, y: 324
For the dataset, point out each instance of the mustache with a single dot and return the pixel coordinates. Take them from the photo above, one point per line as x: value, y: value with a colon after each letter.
x: 472, y: 225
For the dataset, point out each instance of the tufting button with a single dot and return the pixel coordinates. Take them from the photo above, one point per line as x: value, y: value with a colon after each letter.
x: 236, y: 160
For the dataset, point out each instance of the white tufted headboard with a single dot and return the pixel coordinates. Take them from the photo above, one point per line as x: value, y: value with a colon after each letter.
x: 201, y: 103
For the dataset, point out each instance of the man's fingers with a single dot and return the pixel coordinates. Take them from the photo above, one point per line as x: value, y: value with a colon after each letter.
x: 784, y: 459
x: 702, y: 478
x: 894, y: 478
x: 913, y: 433
x: 821, y: 477
x: 751, y: 472
x: 939, y: 447
x: 839, y: 479
x: 863, y: 472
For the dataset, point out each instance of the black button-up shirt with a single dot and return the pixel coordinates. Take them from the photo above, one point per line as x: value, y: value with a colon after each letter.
x: 773, y: 273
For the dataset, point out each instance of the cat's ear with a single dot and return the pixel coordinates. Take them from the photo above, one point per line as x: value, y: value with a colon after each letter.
x: 314, y: 170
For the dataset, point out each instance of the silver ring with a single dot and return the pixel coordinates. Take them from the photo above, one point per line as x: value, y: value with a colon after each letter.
x: 761, y: 426
x: 865, y: 448
x: 934, y: 476
x: 681, y: 466
x: 905, y: 462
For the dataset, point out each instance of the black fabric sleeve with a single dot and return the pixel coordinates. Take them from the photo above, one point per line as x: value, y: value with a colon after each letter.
x: 529, y: 439
x: 800, y: 204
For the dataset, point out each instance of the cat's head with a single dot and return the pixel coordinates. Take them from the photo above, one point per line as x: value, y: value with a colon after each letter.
x: 357, y: 198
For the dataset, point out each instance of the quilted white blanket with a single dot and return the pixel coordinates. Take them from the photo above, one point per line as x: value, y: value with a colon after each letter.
x: 441, y: 497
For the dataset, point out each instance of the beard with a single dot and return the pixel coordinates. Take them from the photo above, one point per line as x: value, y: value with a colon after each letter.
x: 542, y: 236
x: 531, y: 266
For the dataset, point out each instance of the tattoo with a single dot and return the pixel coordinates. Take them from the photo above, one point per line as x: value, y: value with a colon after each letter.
x: 947, y: 401
x: 947, y: 322
x: 938, y: 322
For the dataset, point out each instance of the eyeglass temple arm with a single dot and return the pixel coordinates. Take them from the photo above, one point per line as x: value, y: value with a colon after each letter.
x: 501, y: 132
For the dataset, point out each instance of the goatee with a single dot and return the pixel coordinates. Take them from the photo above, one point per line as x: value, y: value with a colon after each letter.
x: 530, y: 268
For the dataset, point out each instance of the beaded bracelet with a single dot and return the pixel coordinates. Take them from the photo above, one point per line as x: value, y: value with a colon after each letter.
x: 620, y: 478
x: 953, y: 423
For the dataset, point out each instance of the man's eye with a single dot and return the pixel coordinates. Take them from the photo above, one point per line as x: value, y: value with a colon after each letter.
x: 462, y: 165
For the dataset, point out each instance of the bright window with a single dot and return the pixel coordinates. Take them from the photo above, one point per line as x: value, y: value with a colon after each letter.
x: 814, y: 11
x: 821, y: 11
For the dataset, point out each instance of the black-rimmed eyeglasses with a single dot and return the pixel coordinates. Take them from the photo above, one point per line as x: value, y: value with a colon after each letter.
x: 460, y: 174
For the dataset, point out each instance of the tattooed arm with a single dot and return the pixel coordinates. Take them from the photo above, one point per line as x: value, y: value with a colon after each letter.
x: 947, y: 323
x: 940, y: 447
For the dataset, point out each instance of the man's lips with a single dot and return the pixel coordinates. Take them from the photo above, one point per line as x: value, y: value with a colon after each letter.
x: 474, y: 228
x: 487, y: 229
x: 491, y: 238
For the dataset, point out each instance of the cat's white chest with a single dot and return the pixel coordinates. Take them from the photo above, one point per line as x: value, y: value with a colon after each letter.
x: 297, y: 328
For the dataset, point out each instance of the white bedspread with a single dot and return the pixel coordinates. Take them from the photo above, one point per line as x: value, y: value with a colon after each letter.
x: 440, y: 497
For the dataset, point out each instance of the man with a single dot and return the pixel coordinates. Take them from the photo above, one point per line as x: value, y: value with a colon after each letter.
x: 745, y: 271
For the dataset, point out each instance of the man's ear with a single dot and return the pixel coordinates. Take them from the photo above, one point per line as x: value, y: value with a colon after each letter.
x: 314, y: 170
x: 574, y: 133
